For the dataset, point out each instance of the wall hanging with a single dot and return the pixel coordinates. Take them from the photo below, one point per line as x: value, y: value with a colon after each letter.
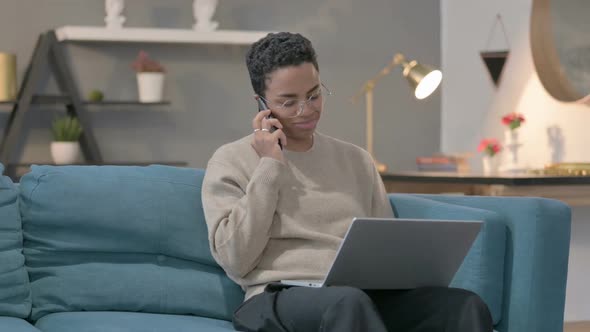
x: 495, y: 60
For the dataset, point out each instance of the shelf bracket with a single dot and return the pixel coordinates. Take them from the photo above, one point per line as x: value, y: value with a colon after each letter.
x: 47, y: 52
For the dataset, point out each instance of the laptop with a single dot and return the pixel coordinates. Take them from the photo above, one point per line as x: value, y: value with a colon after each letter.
x: 398, y: 253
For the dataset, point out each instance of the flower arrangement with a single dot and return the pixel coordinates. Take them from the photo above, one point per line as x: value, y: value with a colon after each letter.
x: 143, y: 64
x: 513, y: 120
x: 489, y: 146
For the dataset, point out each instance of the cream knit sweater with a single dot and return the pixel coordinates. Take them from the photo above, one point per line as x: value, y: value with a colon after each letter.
x: 269, y: 220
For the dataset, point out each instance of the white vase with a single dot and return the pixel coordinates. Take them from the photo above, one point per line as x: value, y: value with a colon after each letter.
x: 150, y: 87
x: 203, y: 11
x: 65, y: 152
x: 510, y: 136
x: 512, y: 145
x: 490, y: 165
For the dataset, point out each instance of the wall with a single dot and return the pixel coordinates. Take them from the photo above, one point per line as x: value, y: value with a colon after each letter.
x: 208, y: 85
x: 472, y: 108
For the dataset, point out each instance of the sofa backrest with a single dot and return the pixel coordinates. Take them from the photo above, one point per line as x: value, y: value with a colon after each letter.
x: 121, y: 238
x: 15, y: 293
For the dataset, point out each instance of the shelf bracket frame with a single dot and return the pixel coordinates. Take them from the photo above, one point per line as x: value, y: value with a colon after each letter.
x: 48, y: 52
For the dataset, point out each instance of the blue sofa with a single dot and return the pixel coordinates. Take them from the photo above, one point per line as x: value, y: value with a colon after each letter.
x: 89, y: 248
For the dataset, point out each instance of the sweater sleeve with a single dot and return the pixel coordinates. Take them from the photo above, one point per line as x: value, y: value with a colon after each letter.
x: 239, y: 213
x: 380, y: 205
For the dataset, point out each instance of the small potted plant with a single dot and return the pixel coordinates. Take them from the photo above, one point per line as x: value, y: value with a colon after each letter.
x: 490, y: 148
x: 65, y: 148
x: 150, y: 78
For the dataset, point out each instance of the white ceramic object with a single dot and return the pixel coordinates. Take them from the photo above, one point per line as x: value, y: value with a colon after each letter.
x: 556, y: 143
x: 490, y: 165
x: 203, y: 11
x: 510, y: 136
x: 511, y: 145
x: 150, y: 87
x: 65, y: 152
x: 114, y: 9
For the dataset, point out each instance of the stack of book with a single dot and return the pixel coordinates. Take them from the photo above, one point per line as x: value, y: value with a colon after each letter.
x: 442, y: 163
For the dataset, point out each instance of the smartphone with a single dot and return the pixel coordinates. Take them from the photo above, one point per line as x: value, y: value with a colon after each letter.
x: 261, y: 107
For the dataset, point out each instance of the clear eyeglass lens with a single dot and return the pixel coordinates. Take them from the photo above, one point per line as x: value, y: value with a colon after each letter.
x: 293, y: 107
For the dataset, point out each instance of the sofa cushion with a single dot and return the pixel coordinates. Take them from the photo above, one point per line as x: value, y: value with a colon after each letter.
x: 101, y: 238
x: 129, y: 322
x: 482, y: 270
x: 15, y: 293
x: 12, y: 324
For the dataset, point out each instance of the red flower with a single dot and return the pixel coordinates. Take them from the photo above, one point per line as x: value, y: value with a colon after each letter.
x: 489, y: 146
x: 513, y: 120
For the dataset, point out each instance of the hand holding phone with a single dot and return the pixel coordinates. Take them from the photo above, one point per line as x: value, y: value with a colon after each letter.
x: 261, y: 107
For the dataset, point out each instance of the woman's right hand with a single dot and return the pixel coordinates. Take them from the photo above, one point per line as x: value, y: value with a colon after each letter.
x: 264, y: 142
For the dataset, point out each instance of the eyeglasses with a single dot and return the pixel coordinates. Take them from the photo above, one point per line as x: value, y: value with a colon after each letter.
x: 292, y: 107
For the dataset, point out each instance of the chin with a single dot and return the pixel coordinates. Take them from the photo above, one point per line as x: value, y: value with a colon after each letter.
x: 301, y: 135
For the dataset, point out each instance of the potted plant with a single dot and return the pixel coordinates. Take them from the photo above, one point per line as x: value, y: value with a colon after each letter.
x: 150, y: 78
x: 490, y: 148
x: 65, y: 148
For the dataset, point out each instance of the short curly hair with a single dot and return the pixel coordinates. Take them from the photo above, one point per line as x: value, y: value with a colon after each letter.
x: 277, y: 50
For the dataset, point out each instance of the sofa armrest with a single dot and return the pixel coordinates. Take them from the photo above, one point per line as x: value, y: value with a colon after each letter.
x: 536, y: 260
x: 482, y: 270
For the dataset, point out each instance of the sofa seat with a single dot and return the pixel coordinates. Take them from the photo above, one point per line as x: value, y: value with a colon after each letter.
x: 13, y: 324
x: 112, y: 321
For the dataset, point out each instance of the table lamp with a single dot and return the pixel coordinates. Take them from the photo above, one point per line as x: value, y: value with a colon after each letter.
x: 423, y: 79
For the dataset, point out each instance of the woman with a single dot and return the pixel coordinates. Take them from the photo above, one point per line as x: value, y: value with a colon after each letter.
x: 277, y: 212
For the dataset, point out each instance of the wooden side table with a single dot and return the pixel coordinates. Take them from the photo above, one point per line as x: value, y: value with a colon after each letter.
x: 573, y: 190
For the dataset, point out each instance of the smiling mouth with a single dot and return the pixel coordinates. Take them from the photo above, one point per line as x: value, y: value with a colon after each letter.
x: 306, y: 124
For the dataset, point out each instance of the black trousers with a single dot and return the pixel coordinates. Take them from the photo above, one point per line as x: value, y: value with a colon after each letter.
x: 345, y: 309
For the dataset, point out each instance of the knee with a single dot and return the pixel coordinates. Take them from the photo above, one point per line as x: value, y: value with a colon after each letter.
x: 471, y: 307
x: 351, y: 295
x: 350, y: 309
x: 467, y: 298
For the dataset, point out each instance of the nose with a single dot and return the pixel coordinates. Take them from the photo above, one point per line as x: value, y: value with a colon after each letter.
x: 302, y: 105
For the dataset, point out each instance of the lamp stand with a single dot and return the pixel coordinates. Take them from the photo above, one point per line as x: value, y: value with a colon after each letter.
x: 369, y: 123
x: 415, y: 73
x: 367, y: 89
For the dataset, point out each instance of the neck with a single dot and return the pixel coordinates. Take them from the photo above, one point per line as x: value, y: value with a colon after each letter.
x: 299, y: 144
